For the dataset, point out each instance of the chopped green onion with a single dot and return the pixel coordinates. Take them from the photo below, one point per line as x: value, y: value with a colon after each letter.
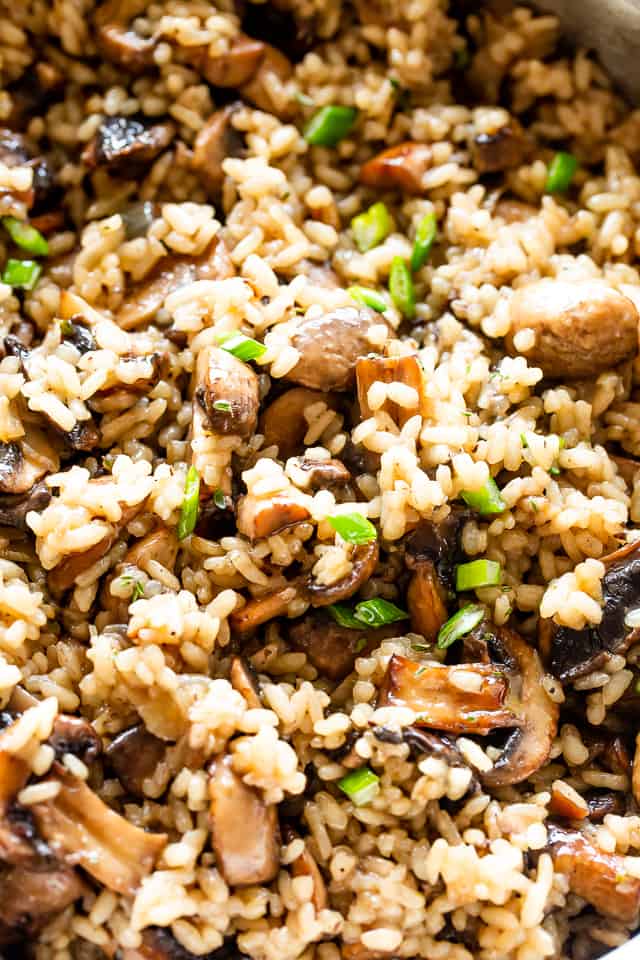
x: 190, y: 504
x: 21, y: 273
x: 244, y: 348
x: 369, y: 298
x: 361, y: 644
x: 401, y: 288
x: 353, y: 527
x: 425, y: 235
x: 561, y: 171
x: 219, y: 499
x: 26, y: 236
x: 371, y: 227
x: 361, y: 786
x: 222, y: 405
x: 478, y: 573
x: 138, y: 591
x: 554, y: 470
x: 378, y: 612
x: 343, y: 615
x: 485, y: 500
x: 460, y: 624
x: 329, y: 125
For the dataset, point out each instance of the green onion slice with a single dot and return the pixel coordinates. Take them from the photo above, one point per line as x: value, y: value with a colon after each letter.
x: 371, y: 227
x: 21, y: 273
x: 329, y: 125
x: 346, y: 617
x: 361, y: 786
x: 190, y: 504
x: 561, y: 171
x: 353, y: 527
x: 222, y: 405
x: 425, y: 236
x: 369, y: 298
x: 460, y: 624
x: 219, y: 499
x: 26, y: 236
x: 242, y: 347
x: 478, y: 573
x: 486, y: 500
x: 378, y: 612
x: 401, y: 288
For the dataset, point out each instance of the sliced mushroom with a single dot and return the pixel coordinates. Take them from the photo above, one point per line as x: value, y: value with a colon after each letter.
x: 599, y: 878
x: 330, y: 346
x: 79, y: 335
x: 567, y: 803
x: 261, y: 610
x: 274, y: 68
x: 14, y: 509
x: 440, y: 697
x: 364, y: 561
x: 18, y: 150
x: 405, y: 370
x: 76, y: 736
x: 332, y: 648
x: 283, y: 422
x: 118, y: 41
x: 257, y: 519
x: 579, y: 328
x: 64, y: 575
x: 321, y: 474
x: 158, y: 943
x: 16, y: 830
x: 501, y: 150
x: 125, y: 144
x: 438, y: 544
x: 528, y: 746
x: 82, y: 830
x: 246, y: 837
x: 305, y: 866
x: 146, y: 298
x: 32, y: 894
x: 427, y: 601
x: 160, y: 545
x: 244, y: 680
x: 423, y: 742
x: 603, y: 802
x: 232, y: 68
x: 134, y: 756
x: 573, y: 653
x: 217, y: 140
x: 227, y: 391
x: 401, y: 167
x: 26, y: 461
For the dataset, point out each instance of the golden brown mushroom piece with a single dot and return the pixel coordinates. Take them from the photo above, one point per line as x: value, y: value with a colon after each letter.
x: 330, y: 346
x: 14, y: 508
x: 283, y: 423
x: 274, y: 67
x: 244, y: 680
x: 406, y: 370
x: 264, y: 518
x: 134, y: 755
x: 364, y: 560
x: 125, y: 144
x: 580, y: 328
x: 499, y: 150
x: 232, y: 68
x: 25, y: 461
x: 246, y: 836
x: 146, y: 298
x: 261, y: 609
x: 599, y: 878
x: 84, y: 831
x: 439, y: 696
x: 226, y: 389
x: 217, y: 140
x: 398, y: 168
x: 427, y: 601
x: 118, y: 41
x: 332, y: 648
x: 32, y: 894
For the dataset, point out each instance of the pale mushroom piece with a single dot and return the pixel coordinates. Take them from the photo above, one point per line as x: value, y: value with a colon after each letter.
x: 405, y: 370
x: 244, y: 680
x: 283, y: 423
x: 257, y: 518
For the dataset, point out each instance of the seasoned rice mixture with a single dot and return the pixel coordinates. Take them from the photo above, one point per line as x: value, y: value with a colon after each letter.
x: 319, y: 484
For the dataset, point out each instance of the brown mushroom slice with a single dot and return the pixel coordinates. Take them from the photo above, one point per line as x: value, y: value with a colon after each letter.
x: 26, y: 461
x: 171, y: 273
x: 244, y: 680
x: 31, y: 894
x: 567, y: 803
x: 64, y: 575
x: 125, y: 48
x: 261, y: 610
x: 401, y: 167
x: 246, y: 836
x: 15, y: 835
x: 227, y: 390
x: 125, y: 144
x: 423, y: 742
x: 217, y: 140
x: 426, y: 599
x: 283, y: 423
x: 406, y: 370
x: 160, y: 545
x: 579, y: 328
x: 322, y: 474
x: 84, y: 831
x: 134, y: 755
x: 232, y: 68
x: 76, y: 736
x: 274, y: 67
x: 305, y: 866
x: 257, y: 519
x: 330, y: 346
x: 599, y: 878
x: 364, y: 561
x: 441, y: 699
x: 603, y: 802
x: 332, y: 648
x: 14, y: 509
x: 501, y: 150
x: 528, y: 746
